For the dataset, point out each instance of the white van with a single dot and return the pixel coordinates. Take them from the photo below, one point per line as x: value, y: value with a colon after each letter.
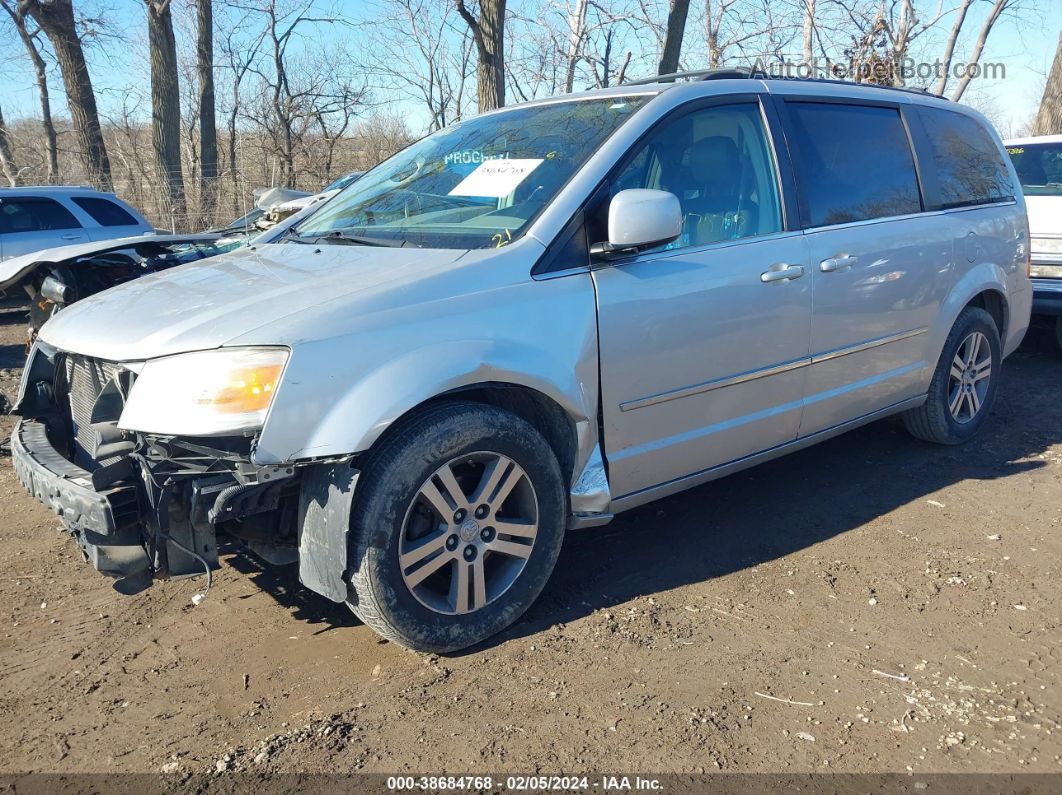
x: 1038, y: 162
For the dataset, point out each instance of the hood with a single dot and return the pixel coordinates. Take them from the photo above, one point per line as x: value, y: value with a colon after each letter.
x: 208, y: 303
x: 1045, y: 215
x: 12, y: 270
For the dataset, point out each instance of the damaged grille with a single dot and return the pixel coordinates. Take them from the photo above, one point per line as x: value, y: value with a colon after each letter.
x: 81, y: 381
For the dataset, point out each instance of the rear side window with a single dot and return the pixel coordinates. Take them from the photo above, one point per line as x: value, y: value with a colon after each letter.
x: 105, y: 212
x: 967, y: 163
x: 34, y: 214
x: 854, y: 162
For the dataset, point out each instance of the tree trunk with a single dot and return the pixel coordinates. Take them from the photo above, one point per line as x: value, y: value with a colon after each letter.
x: 18, y: 17
x: 809, y: 36
x: 56, y: 19
x: 949, y: 48
x: 676, y: 29
x: 979, y: 47
x: 489, y: 34
x: 1049, y: 117
x: 576, y: 31
x: 166, y: 104
x: 7, y: 161
x: 208, y: 133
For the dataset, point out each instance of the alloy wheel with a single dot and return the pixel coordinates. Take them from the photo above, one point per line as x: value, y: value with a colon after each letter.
x: 971, y: 372
x: 468, y: 533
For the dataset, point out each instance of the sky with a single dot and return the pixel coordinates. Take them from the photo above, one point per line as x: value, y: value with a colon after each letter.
x: 1024, y: 48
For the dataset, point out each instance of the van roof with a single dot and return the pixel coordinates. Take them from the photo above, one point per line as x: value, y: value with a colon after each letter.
x: 52, y: 189
x: 726, y: 81
x: 764, y: 77
x: 1034, y: 139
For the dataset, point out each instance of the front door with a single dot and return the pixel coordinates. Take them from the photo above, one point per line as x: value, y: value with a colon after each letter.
x: 704, y: 342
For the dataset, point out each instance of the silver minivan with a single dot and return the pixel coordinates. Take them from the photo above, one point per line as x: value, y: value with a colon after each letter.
x: 527, y: 323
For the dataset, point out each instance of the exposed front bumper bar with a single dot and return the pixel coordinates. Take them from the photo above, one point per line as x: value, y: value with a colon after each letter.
x: 111, y: 545
x: 1047, y: 296
x: 60, y: 485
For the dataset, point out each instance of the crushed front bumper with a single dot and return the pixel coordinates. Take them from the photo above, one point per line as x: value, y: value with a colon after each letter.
x: 98, y: 519
x: 59, y: 484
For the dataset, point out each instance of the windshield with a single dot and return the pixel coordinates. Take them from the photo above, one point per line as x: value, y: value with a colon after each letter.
x: 477, y: 184
x: 1039, y: 168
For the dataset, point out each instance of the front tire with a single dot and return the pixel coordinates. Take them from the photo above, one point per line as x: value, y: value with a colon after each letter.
x: 964, y: 384
x: 457, y: 523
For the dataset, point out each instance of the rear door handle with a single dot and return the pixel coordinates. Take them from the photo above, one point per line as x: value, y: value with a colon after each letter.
x: 782, y: 273
x: 837, y: 264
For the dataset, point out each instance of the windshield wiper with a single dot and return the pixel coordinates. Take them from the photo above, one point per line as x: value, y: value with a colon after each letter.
x: 343, y: 238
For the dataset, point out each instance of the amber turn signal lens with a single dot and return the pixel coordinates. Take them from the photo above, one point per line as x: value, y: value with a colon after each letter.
x: 248, y: 390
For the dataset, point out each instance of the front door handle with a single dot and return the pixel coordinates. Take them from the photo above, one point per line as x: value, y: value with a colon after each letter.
x: 782, y: 273
x: 72, y: 236
x: 837, y: 264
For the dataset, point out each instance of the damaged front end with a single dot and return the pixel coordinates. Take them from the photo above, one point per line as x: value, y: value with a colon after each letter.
x: 141, y: 505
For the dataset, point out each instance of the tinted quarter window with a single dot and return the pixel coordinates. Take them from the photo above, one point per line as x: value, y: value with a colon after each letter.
x: 105, y: 212
x: 967, y: 163
x: 34, y: 215
x: 854, y: 162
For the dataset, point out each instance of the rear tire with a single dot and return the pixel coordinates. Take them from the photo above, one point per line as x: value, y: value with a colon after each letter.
x: 457, y: 523
x: 1058, y: 331
x: 963, y: 387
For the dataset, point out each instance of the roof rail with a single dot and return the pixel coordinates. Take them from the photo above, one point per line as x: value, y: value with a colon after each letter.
x: 742, y: 73
x: 726, y: 73
x: 48, y: 186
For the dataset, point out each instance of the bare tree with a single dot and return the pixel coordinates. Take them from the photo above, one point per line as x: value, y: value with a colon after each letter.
x: 489, y: 34
x: 418, y: 53
x: 676, y: 31
x: 7, y: 158
x: 809, y: 33
x: 949, y: 47
x: 240, y: 55
x: 986, y: 28
x: 576, y: 36
x: 165, y: 101
x: 1049, y: 117
x: 56, y: 19
x: 208, y: 134
x: 33, y: 50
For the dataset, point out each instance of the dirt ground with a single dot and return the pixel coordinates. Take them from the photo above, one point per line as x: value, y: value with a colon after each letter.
x: 872, y: 604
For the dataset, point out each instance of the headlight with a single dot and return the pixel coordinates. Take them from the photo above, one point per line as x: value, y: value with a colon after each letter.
x: 205, y: 393
x: 1046, y: 245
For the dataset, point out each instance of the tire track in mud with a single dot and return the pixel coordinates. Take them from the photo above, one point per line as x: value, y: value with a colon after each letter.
x: 77, y: 637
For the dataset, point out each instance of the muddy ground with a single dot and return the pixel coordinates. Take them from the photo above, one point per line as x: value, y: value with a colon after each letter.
x: 872, y: 604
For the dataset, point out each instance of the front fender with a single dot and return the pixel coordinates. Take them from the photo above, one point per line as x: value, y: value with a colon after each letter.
x: 340, y: 394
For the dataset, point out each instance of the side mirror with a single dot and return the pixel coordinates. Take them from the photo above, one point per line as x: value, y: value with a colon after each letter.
x: 639, y: 218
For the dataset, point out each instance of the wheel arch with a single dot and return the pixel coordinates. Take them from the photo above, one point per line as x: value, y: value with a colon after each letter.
x: 537, y: 408
x: 985, y: 286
